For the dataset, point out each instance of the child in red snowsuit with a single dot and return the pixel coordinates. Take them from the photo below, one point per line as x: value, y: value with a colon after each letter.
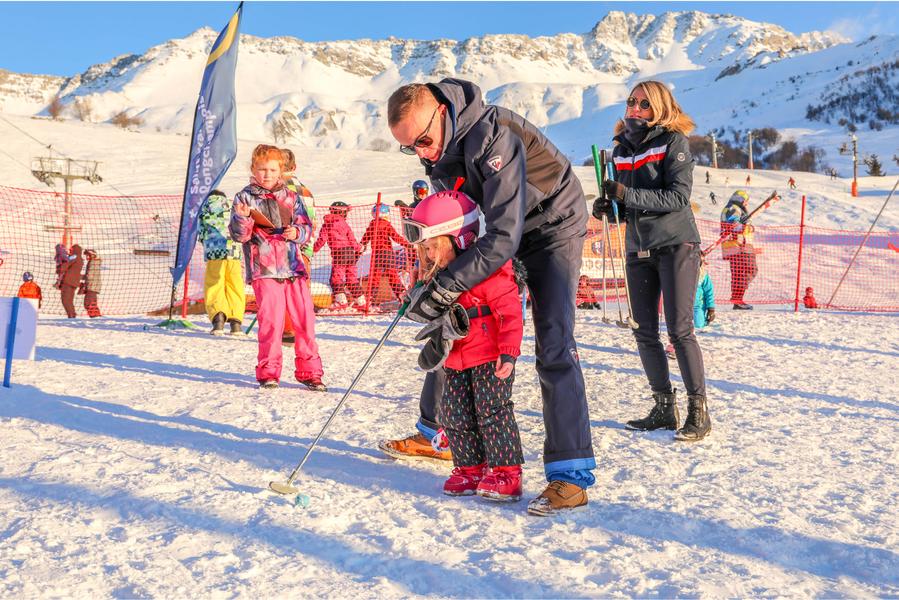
x: 381, y: 235
x: 477, y: 343
x: 345, y: 251
x: 30, y: 289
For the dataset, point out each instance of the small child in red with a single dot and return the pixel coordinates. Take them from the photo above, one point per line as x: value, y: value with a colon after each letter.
x: 381, y: 235
x: 477, y: 343
x: 345, y: 251
x: 809, y: 298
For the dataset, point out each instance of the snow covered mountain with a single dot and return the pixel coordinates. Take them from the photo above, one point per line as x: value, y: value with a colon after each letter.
x: 727, y: 71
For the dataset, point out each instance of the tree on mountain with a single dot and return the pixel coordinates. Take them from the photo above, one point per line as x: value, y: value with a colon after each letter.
x: 874, y: 166
x: 54, y: 109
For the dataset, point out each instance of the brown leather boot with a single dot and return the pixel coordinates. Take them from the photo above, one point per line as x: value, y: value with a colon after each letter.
x: 415, y: 447
x: 559, y: 496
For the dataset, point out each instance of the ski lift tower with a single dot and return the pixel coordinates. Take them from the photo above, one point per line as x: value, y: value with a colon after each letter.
x: 47, y: 169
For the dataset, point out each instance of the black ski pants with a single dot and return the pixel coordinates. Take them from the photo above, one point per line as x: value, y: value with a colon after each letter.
x: 477, y: 415
x: 553, y: 264
x: 672, y: 272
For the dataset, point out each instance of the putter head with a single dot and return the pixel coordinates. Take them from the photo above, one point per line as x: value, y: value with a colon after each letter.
x: 632, y: 324
x: 282, y: 488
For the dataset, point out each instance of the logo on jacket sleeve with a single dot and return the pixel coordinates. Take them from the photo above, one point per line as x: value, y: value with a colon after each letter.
x: 681, y: 157
x: 495, y: 162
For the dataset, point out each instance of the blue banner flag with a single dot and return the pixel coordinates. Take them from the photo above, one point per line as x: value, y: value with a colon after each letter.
x: 213, y: 143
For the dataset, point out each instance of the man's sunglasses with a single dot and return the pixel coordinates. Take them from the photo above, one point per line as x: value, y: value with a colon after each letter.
x: 422, y: 141
x: 644, y: 103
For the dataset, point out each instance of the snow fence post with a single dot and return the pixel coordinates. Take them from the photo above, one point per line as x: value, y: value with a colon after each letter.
x: 799, y: 261
x: 10, y: 341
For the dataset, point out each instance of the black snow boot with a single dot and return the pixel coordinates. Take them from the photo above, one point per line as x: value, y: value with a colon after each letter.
x: 235, y: 327
x: 662, y: 416
x: 697, y: 425
x: 218, y: 324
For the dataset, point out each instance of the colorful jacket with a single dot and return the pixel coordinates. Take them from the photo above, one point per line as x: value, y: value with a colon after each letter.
x: 305, y: 196
x: 500, y: 332
x: 92, y: 275
x: 738, y: 236
x: 380, y: 234
x: 267, y: 254
x: 214, y: 219
x: 30, y: 289
x: 705, y: 299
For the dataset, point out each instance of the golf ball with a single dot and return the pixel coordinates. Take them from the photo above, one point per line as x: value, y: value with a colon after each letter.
x: 301, y: 501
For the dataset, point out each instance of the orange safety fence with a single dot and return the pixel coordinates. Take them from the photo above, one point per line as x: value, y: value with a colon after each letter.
x: 135, y: 236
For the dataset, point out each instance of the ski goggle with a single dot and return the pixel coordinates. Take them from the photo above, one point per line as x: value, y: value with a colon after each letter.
x: 416, y: 232
x: 422, y: 141
x: 644, y: 103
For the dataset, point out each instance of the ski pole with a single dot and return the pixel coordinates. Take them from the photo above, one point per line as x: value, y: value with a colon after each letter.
x: 608, y: 235
x: 599, y: 166
x: 287, y: 488
x: 250, y: 328
x: 605, y: 249
x: 627, y: 288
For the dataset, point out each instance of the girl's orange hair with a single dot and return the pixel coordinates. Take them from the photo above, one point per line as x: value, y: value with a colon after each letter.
x: 265, y: 153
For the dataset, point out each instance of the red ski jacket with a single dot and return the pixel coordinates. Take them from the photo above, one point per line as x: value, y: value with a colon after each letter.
x: 336, y: 232
x: 380, y: 234
x: 498, y: 332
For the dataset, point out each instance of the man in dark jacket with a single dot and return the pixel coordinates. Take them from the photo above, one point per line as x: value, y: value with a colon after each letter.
x: 534, y: 208
x: 70, y: 279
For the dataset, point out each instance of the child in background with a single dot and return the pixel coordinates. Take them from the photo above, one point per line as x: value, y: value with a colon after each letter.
x: 381, y: 235
x: 30, y: 289
x: 223, y: 291
x: 90, y: 284
x: 809, y: 299
x: 477, y: 343
x: 304, y: 196
x: 61, y: 258
x: 276, y: 269
x: 704, y: 306
x: 345, y: 251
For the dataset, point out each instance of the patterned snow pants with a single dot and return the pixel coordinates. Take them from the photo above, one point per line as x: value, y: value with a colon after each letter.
x: 477, y: 416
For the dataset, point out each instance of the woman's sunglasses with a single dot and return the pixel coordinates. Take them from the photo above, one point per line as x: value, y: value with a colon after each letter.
x: 644, y: 103
x: 422, y: 141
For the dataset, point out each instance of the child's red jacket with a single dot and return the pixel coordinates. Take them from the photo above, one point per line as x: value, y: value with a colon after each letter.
x: 499, y: 332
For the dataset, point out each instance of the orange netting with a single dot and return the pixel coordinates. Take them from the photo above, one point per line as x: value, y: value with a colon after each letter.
x: 135, y: 238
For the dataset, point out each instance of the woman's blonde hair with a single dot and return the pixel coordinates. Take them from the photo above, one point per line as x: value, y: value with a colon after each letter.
x: 427, y: 268
x: 666, y: 111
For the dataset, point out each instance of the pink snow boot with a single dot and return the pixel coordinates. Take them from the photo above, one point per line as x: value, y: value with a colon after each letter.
x: 464, y: 480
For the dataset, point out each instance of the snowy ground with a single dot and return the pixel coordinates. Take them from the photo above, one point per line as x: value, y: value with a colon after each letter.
x: 136, y: 461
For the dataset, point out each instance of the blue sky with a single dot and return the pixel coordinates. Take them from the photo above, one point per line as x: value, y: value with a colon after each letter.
x: 64, y: 38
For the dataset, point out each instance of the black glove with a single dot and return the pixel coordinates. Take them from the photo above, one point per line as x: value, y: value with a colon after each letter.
x: 710, y: 315
x: 434, y: 354
x: 429, y: 302
x: 454, y: 324
x: 602, y: 206
x: 614, y: 190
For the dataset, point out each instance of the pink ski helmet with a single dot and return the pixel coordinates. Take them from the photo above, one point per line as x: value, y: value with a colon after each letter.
x: 449, y: 213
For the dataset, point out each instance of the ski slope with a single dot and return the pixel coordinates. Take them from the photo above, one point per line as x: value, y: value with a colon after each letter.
x: 136, y: 460
x: 136, y: 463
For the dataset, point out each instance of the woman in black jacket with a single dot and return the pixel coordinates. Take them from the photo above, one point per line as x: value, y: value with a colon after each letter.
x: 654, y: 178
